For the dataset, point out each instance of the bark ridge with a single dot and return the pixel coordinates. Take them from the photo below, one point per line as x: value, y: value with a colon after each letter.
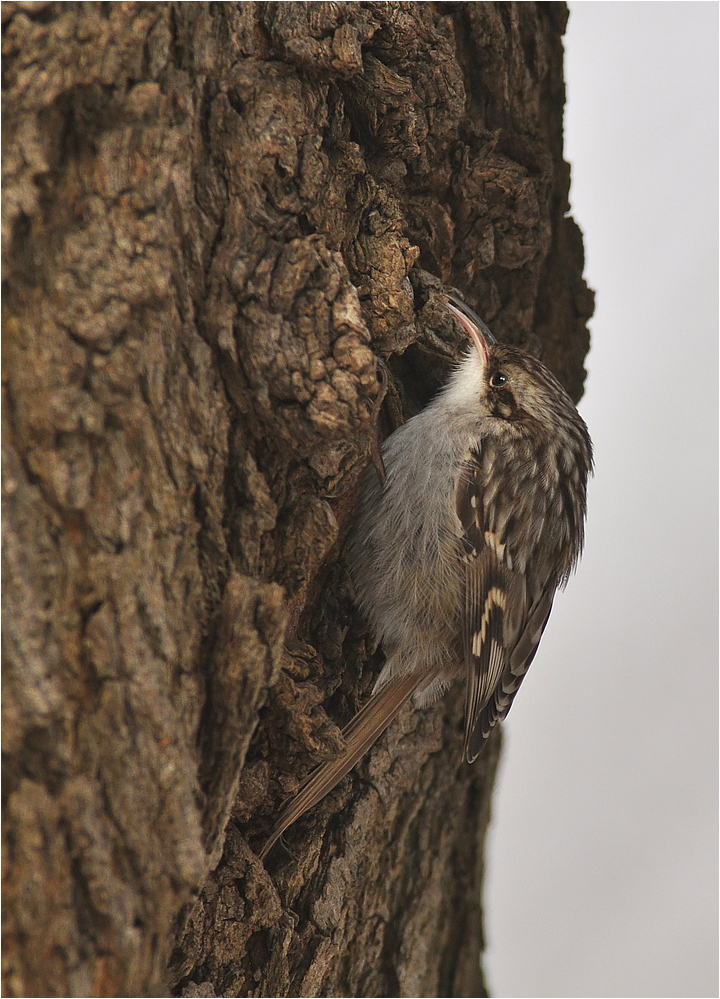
x: 216, y: 219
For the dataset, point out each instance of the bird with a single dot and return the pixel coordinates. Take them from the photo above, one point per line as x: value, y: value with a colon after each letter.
x: 456, y: 556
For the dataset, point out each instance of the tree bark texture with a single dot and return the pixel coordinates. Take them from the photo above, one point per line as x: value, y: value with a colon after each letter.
x: 217, y: 217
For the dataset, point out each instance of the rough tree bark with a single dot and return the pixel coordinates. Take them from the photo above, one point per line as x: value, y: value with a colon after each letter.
x: 216, y: 217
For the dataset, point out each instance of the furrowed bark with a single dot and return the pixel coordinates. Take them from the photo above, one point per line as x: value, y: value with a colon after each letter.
x: 217, y: 219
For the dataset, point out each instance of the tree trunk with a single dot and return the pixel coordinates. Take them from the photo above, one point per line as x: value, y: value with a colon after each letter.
x: 216, y: 218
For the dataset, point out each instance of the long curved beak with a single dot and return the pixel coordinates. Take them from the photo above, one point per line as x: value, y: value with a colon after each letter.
x: 471, y: 322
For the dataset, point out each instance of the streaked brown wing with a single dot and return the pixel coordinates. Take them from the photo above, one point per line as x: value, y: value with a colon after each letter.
x: 517, y: 663
x: 502, y: 624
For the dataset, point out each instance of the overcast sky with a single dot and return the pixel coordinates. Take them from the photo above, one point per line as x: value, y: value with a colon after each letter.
x: 603, y: 854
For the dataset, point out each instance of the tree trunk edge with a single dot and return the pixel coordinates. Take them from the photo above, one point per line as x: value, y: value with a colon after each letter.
x: 216, y: 219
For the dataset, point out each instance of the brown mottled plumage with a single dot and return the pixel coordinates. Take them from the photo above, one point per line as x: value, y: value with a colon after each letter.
x: 457, y: 556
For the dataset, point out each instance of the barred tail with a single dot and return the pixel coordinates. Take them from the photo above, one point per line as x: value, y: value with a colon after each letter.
x: 365, y: 728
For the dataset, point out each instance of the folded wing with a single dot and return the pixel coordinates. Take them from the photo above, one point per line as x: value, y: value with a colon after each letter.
x: 504, y: 617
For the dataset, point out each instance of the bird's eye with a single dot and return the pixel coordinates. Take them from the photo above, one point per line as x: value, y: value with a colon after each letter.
x: 498, y: 379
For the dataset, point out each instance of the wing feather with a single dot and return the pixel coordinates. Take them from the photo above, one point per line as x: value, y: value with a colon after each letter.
x: 502, y: 622
x: 517, y: 663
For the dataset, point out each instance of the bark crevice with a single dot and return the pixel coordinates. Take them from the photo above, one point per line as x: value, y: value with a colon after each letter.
x: 218, y: 220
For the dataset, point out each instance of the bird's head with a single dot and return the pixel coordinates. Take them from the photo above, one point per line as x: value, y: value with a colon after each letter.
x: 505, y: 383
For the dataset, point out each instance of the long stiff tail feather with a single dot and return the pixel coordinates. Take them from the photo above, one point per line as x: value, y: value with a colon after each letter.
x: 365, y: 728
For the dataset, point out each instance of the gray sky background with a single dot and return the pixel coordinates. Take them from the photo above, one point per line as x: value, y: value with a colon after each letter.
x: 603, y: 857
